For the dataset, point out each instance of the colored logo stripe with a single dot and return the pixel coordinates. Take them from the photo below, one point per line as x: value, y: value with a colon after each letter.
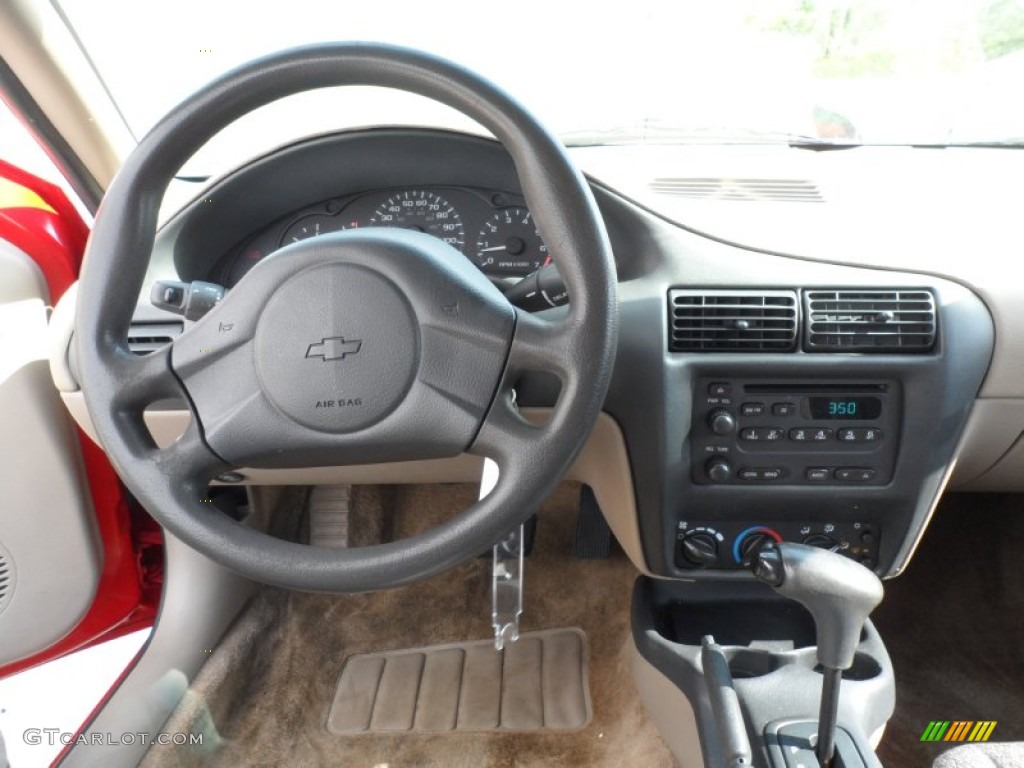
x: 958, y: 730
x: 935, y: 731
x: 982, y: 730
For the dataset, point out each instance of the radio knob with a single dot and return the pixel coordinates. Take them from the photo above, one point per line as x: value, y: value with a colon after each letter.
x: 721, y: 422
x: 719, y: 470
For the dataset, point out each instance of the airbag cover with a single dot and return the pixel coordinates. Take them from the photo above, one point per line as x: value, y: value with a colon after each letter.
x: 328, y: 359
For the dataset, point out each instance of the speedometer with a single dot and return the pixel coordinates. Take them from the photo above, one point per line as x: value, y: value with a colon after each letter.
x: 423, y: 211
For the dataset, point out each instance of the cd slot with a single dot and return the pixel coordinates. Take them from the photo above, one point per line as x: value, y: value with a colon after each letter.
x: 802, y: 389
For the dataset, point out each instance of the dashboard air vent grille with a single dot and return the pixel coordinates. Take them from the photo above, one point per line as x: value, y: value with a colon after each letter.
x: 144, y: 338
x: 732, y: 321
x: 870, y: 321
x: 745, y: 190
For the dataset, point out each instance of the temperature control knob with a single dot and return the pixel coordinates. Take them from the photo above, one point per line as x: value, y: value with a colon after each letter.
x: 700, y: 548
x: 749, y: 543
x: 719, y: 470
x: 722, y: 422
x: 752, y: 544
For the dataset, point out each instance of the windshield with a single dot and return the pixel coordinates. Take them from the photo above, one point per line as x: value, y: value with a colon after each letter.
x: 909, y: 72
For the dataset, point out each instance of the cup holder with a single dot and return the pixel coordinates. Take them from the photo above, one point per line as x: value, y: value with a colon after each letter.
x: 783, y: 625
x: 864, y: 667
x: 745, y: 664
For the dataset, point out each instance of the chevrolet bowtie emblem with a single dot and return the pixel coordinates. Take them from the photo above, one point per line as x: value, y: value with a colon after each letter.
x: 334, y: 348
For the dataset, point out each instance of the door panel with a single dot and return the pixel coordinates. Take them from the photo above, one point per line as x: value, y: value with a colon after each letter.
x: 81, y: 563
x: 50, y: 555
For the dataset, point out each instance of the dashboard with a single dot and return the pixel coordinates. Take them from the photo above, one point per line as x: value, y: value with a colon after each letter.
x: 492, y: 228
x: 754, y: 394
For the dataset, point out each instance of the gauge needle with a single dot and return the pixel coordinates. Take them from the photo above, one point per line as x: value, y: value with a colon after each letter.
x: 493, y: 248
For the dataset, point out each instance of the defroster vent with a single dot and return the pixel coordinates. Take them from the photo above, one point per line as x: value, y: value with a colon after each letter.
x: 732, y: 321
x: 869, y: 320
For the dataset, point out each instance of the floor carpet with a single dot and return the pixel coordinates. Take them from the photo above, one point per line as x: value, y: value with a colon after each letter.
x: 264, y: 696
x: 954, y: 627
x: 953, y: 623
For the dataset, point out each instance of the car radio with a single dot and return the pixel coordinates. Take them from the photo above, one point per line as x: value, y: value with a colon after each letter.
x: 794, y: 433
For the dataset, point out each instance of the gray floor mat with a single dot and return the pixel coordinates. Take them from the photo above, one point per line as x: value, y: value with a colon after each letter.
x: 537, y: 683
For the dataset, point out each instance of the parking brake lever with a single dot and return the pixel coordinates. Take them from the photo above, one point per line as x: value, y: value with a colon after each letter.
x: 840, y: 594
x: 725, y: 706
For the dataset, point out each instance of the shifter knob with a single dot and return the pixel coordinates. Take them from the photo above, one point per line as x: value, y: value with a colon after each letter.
x: 839, y: 593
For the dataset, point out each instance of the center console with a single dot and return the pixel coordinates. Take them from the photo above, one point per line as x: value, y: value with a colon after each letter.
x: 769, y: 645
x: 735, y: 449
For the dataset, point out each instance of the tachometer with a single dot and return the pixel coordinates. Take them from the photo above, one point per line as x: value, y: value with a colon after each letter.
x: 314, y: 226
x: 509, y: 243
x: 422, y: 211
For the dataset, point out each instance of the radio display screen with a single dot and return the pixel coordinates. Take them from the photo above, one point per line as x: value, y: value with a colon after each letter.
x: 853, y: 408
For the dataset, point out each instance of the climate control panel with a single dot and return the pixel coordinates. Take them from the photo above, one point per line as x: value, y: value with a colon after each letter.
x: 794, y: 433
x: 731, y: 545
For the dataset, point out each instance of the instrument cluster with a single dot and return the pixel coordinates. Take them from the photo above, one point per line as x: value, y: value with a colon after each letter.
x: 495, y: 230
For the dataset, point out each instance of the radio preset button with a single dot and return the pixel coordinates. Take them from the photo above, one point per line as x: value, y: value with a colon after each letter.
x: 859, y: 435
x: 767, y: 434
x: 810, y: 434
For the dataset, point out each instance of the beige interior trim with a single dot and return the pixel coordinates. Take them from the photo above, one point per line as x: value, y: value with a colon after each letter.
x: 50, y: 548
x: 1006, y: 475
x: 40, y: 50
x: 991, y: 453
x: 669, y: 710
x: 603, y: 464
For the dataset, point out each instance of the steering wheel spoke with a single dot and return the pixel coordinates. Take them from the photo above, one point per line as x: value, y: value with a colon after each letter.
x: 188, y: 459
x: 506, y: 435
x: 540, y: 344
x: 144, y: 380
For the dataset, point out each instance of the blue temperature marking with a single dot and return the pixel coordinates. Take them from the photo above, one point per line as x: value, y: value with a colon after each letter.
x: 743, y: 534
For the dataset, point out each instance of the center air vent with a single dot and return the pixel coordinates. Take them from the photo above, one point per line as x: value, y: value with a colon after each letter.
x: 732, y: 321
x: 748, y: 190
x: 870, y: 321
x: 144, y: 338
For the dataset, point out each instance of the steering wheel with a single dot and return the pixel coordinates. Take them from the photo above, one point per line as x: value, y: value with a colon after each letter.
x: 350, y: 348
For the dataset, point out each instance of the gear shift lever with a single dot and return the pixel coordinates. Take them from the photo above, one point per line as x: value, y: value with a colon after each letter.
x: 839, y: 594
